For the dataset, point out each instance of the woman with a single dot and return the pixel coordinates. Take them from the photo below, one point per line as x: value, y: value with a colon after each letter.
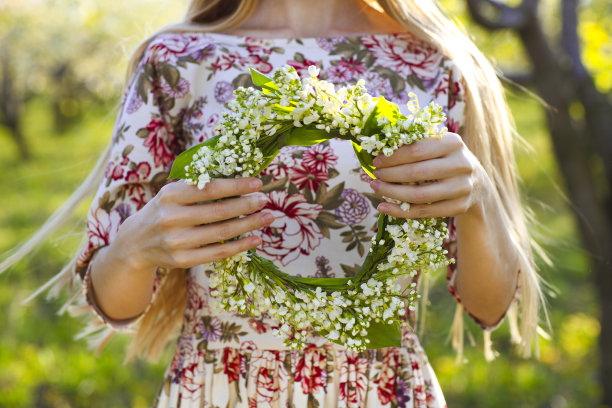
x: 311, y: 211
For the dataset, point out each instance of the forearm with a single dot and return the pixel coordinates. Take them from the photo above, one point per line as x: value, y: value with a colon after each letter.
x: 487, y: 259
x: 121, y: 287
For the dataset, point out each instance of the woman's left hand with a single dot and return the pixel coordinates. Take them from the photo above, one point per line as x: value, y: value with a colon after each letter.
x: 454, y: 178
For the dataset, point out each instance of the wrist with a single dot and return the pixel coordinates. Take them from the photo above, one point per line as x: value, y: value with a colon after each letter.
x: 128, y: 254
x: 483, y: 197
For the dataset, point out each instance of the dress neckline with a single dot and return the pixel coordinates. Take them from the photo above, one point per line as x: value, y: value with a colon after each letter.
x: 301, y: 40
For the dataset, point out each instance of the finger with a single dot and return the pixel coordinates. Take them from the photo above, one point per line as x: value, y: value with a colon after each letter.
x: 424, y: 149
x: 446, y: 208
x: 445, y: 189
x: 183, y: 193
x: 222, y: 231
x: 208, y: 213
x: 433, y: 169
x: 209, y: 253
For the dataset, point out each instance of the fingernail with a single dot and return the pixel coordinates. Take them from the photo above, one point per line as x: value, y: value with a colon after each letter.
x: 382, y: 207
x: 376, y: 161
x: 256, y: 240
x: 255, y: 184
x: 262, y: 200
x: 376, y: 173
x: 267, y: 217
x: 375, y: 184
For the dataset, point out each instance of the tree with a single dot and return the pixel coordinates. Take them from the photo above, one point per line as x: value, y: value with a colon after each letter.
x: 579, y: 118
x: 70, y: 54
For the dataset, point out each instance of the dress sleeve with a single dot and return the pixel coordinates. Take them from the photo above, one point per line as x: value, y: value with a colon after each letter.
x: 146, y: 139
x: 455, y: 120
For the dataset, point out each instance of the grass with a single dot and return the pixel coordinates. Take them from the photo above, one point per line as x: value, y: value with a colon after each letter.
x: 41, y: 365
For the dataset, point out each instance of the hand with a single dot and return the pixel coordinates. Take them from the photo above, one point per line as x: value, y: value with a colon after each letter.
x: 455, y: 173
x: 182, y: 227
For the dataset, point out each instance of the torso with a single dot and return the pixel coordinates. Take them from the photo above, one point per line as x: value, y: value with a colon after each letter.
x: 325, y: 210
x: 326, y: 213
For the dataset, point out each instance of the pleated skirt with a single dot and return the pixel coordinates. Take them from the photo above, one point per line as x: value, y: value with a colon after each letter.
x: 318, y: 376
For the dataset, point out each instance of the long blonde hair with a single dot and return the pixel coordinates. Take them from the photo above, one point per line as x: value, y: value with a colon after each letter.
x: 490, y: 140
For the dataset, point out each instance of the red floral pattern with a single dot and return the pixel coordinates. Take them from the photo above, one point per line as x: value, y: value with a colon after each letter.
x: 311, y: 370
x: 405, y: 55
x: 157, y: 142
x: 323, y: 209
x: 293, y: 232
x: 319, y: 158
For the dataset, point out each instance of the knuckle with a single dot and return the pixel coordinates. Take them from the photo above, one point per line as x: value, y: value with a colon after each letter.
x: 225, y: 231
x: 466, y: 185
x: 166, y: 219
x: 463, y: 207
x: 246, y: 244
x: 181, y: 260
x: 167, y: 193
x: 254, y: 203
x: 212, y: 189
x: 260, y: 220
x: 418, y: 211
x: 418, y: 172
x: 419, y: 195
x: 465, y: 166
x: 223, y: 251
x: 220, y: 211
x: 417, y: 150
x: 384, y: 174
x: 172, y: 242
x: 454, y: 139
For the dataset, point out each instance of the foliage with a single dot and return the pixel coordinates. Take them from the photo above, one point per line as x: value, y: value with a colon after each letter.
x: 40, y: 363
x: 505, y: 50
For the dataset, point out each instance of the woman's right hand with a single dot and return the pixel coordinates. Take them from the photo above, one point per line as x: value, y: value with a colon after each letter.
x: 182, y: 227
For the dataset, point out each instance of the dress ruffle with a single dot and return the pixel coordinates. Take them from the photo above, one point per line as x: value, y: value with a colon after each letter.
x: 314, y: 377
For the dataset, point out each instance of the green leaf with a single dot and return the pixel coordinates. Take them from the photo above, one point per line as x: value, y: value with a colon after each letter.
x: 304, y: 136
x: 170, y: 74
x: 308, y: 195
x: 330, y: 200
x: 242, y: 80
x: 142, y: 133
x: 350, y: 271
x: 382, y: 108
x: 186, y: 157
x: 384, y: 335
x: 324, y: 283
x: 365, y: 159
x: 389, y: 110
x: 292, y: 189
x: 128, y: 149
x: 274, y: 185
x: 374, y: 199
x: 331, y: 173
x: 267, y: 160
x: 328, y: 219
x: 143, y: 87
x: 263, y: 81
x: 381, y: 225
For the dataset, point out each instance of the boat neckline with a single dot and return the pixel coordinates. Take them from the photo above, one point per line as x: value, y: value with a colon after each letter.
x: 289, y: 39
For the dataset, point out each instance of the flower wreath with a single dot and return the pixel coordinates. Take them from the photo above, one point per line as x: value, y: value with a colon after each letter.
x: 362, y: 312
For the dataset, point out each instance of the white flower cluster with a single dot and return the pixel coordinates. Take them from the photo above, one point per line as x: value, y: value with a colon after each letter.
x: 417, y: 245
x: 402, y: 130
x: 235, y: 153
x: 250, y: 285
x: 342, y: 315
x: 258, y: 124
x: 247, y: 131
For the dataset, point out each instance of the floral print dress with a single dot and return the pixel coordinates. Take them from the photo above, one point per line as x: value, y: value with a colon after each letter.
x: 325, y: 215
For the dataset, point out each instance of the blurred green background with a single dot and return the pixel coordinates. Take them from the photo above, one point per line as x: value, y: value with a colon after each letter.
x: 67, y: 60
